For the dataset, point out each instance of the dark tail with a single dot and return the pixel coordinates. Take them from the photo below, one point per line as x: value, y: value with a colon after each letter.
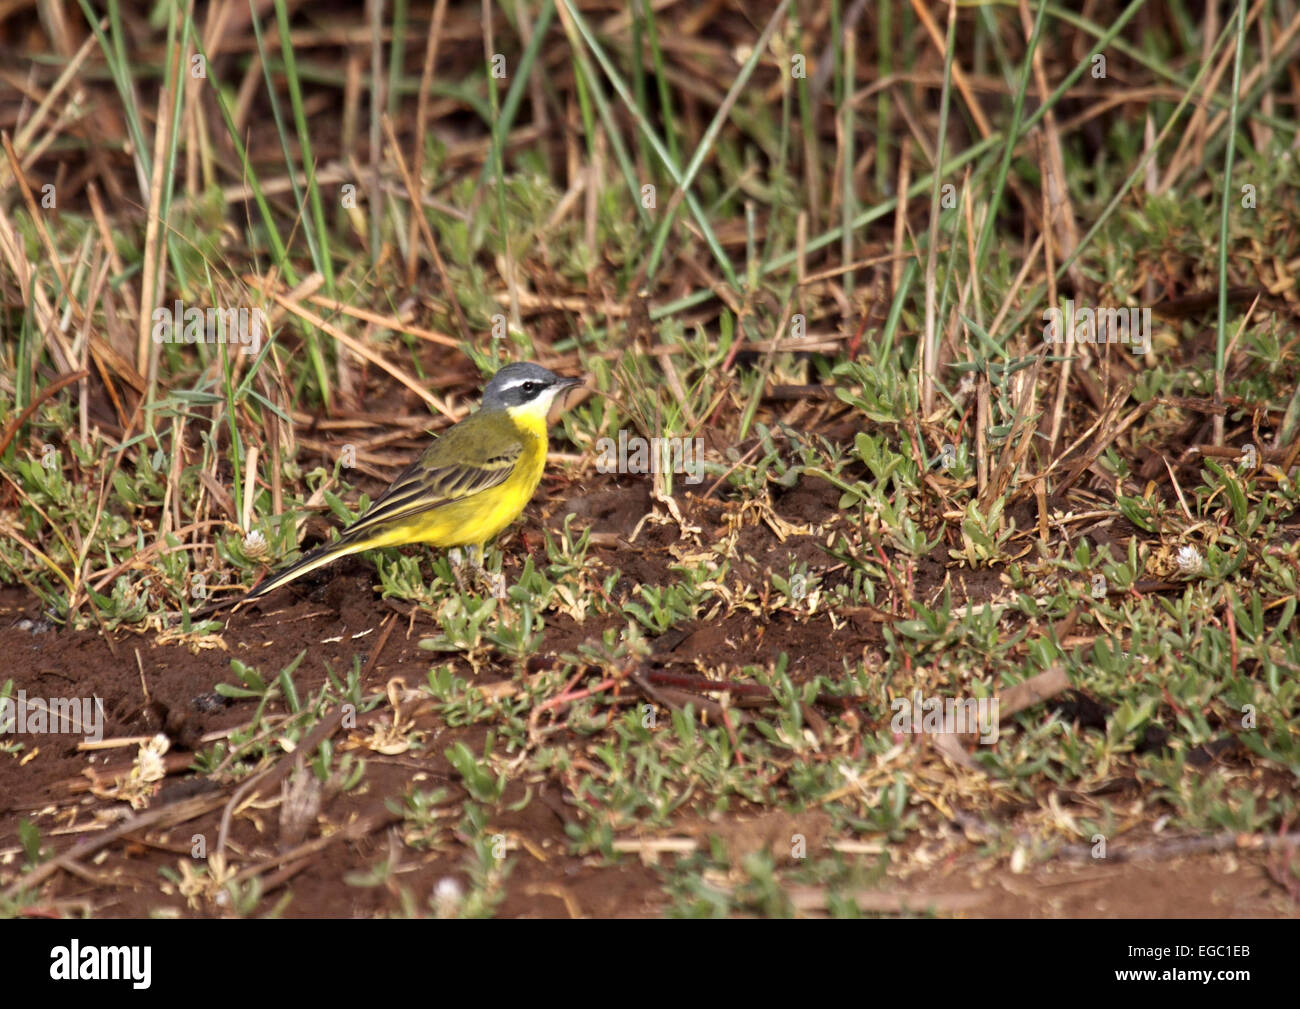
x: 309, y: 562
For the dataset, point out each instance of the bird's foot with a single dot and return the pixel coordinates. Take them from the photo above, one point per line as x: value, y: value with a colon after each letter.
x: 496, y: 584
x: 493, y: 581
x: 457, y: 569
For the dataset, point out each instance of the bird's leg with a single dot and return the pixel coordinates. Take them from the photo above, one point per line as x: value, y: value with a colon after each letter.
x: 494, y: 581
x: 457, y: 561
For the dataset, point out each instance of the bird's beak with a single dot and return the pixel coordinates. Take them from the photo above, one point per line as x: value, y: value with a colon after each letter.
x: 562, y: 393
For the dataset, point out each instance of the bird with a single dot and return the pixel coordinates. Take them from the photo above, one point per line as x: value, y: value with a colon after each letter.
x: 466, y: 487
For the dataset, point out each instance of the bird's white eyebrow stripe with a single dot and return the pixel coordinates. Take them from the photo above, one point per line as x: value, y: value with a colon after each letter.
x: 517, y: 382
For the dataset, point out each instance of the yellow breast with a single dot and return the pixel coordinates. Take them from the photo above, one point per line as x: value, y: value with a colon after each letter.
x: 479, y: 517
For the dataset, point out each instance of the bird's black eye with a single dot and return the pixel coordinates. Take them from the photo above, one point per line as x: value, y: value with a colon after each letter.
x: 529, y: 388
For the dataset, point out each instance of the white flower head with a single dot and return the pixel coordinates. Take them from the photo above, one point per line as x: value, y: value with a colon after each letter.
x: 1189, y: 560
x: 255, y: 544
x: 448, y: 895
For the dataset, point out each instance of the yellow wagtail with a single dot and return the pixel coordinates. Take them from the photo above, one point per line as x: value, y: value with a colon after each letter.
x: 472, y: 482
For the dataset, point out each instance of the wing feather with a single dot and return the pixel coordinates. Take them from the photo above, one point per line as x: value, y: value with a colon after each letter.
x: 423, y: 488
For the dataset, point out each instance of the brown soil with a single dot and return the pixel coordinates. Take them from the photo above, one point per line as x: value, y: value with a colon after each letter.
x: 148, y: 687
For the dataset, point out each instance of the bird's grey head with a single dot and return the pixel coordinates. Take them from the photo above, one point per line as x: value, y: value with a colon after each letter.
x: 523, y: 383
